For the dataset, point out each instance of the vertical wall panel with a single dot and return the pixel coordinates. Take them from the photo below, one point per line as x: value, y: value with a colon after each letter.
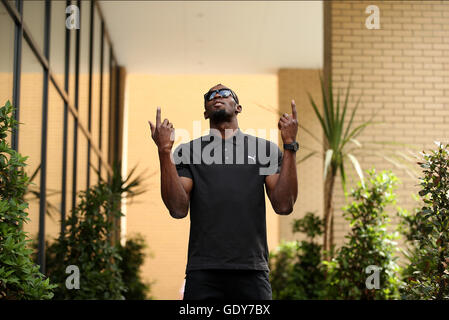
x: 47, y: 67
x: 54, y: 163
x: 83, y: 106
x: 295, y: 84
x: 105, y: 108
x: 31, y: 89
x: 95, y: 97
x: 6, y: 58
x: 34, y: 18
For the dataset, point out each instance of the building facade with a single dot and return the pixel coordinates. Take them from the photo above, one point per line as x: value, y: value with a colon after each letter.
x: 59, y: 71
x: 80, y: 112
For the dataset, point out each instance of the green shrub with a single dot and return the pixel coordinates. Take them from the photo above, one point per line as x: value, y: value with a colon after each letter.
x: 86, y: 244
x: 92, y: 242
x: 427, y: 275
x: 369, y: 244
x: 296, y: 269
x: 133, y: 257
x: 19, y: 276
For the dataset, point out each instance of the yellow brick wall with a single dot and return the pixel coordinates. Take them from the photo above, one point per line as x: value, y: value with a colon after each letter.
x: 30, y: 141
x: 295, y: 84
x: 401, y: 71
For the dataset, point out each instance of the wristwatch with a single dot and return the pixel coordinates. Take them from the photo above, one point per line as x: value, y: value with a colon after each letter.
x: 294, y: 146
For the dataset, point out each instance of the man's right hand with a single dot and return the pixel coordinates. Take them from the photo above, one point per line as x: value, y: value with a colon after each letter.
x: 163, y: 133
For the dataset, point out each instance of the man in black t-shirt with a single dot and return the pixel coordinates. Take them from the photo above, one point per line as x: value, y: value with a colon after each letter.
x: 222, y: 177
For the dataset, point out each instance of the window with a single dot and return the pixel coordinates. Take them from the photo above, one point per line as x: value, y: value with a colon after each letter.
x: 59, y: 80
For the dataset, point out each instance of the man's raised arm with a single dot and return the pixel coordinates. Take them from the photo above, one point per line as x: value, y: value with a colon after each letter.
x: 282, y: 188
x: 175, y: 190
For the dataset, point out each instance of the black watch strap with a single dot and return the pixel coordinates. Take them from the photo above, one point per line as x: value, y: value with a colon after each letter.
x: 294, y: 146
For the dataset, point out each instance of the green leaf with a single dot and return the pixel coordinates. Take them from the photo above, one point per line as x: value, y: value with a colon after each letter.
x: 327, y: 162
x: 358, y: 169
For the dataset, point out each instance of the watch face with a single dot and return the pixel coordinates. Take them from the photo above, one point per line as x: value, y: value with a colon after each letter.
x: 293, y: 146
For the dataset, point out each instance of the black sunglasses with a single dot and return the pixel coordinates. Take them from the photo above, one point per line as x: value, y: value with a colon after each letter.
x: 223, y: 92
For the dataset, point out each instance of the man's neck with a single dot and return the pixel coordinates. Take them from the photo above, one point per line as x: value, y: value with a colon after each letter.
x: 226, y: 129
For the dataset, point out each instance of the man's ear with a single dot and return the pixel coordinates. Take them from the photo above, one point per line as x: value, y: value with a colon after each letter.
x: 238, y: 108
x: 206, y: 116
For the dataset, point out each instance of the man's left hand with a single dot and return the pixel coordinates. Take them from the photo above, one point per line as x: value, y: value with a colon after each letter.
x: 288, y: 124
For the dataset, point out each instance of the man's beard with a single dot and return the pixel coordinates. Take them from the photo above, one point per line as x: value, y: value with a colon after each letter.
x: 220, y: 116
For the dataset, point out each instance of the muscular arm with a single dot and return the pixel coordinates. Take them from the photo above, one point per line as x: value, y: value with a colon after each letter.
x: 175, y: 190
x: 282, y: 188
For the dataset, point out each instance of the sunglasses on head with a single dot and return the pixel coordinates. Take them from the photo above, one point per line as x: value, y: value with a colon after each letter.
x: 223, y: 93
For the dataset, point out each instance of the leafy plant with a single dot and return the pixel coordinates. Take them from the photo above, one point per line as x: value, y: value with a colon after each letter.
x: 427, y: 275
x: 86, y: 245
x: 19, y: 276
x: 337, y: 149
x: 125, y: 188
x: 336, y: 140
x: 91, y: 242
x: 369, y: 244
x: 133, y: 257
x: 296, y: 269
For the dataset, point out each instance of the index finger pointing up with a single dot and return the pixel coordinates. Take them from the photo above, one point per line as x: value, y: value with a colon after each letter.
x: 158, y: 116
x: 294, y: 113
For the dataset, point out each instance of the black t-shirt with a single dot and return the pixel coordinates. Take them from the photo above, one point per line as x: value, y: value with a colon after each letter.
x: 227, y: 202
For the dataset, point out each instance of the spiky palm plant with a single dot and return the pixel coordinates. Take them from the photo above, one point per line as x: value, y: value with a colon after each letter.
x: 337, y: 137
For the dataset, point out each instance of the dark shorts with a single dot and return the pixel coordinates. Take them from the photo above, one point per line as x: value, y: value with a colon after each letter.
x: 227, y: 285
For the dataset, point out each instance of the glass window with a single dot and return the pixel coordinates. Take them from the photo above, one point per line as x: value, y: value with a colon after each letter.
x: 105, y: 111
x: 57, y: 40
x: 72, y: 65
x: 34, y: 17
x: 96, y: 74
x: 12, y: 3
x: 84, y: 62
x: 83, y: 108
x: 81, y: 176
x: 54, y: 162
x: 6, y: 55
x: 31, y: 86
x: 69, y: 168
x: 6, y: 58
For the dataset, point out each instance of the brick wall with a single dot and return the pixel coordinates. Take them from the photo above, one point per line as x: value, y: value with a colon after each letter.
x: 401, y: 71
x: 295, y: 84
x: 30, y: 141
